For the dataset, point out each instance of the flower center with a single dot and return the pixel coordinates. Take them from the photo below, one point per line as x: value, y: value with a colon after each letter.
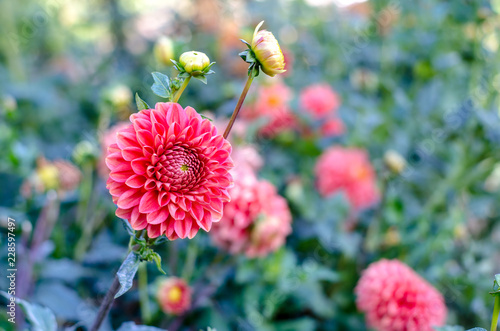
x: 176, y: 169
x: 174, y: 294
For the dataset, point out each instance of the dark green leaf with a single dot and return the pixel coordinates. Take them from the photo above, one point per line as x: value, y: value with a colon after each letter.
x: 127, y: 272
x: 161, y: 87
x: 141, y: 104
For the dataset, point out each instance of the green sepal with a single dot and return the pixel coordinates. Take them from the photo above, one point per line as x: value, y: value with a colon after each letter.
x: 125, y: 223
x: 183, y: 75
x: 246, y: 43
x: 157, y: 259
x: 141, y: 104
x: 201, y: 78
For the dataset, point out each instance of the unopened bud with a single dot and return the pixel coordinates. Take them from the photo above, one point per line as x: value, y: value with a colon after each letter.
x: 194, y: 62
x: 394, y: 161
x: 268, y: 52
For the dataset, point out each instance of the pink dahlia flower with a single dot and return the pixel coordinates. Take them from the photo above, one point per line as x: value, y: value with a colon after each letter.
x: 332, y: 127
x: 256, y: 221
x: 169, y: 172
x: 319, y: 100
x: 174, y: 296
x: 347, y: 170
x: 396, y: 298
x: 107, y: 139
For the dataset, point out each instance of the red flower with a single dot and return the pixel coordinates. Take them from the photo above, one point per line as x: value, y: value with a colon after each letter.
x: 174, y: 296
x: 319, y: 100
x: 256, y: 221
x: 169, y: 172
x: 348, y: 170
x: 395, y: 298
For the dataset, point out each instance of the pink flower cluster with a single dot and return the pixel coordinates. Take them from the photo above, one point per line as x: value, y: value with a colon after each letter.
x: 169, y: 172
x: 257, y: 220
x: 321, y: 102
x: 395, y: 298
x: 347, y: 170
x: 174, y: 296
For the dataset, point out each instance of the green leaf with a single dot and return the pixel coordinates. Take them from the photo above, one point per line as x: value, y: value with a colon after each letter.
x: 141, y: 104
x: 161, y: 87
x: 477, y: 329
x: 184, y: 75
x: 497, y: 279
x: 41, y: 318
x: 127, y: 272
x: 125, y: 223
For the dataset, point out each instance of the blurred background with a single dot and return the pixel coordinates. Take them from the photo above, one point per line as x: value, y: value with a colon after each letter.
x: 419, y: 79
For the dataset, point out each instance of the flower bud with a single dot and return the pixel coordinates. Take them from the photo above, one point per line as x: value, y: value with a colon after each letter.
x: 268, y: 52
x: 174, y: 296
x: 394, y: 161
x: 164, y: 51
x: 194, y: 62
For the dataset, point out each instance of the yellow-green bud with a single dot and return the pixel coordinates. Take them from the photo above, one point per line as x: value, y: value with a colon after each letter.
x: 394, y: 161
x: 268, y: 52
x: 194, y: 62
x: 164, y: 51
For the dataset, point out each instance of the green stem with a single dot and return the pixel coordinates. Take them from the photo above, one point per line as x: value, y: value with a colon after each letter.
x: 178, y: 94
x: 238, y: 106
x: 496, y: 312
x: 189, y: 265
x: 143, y: 293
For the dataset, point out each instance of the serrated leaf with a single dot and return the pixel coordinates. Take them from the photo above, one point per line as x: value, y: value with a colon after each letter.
x: 201, y: 78
x: 127, y: 272
x: 41, y: 318
x: 161, y: 86
x: 141, y: 104
x: 125, y: 223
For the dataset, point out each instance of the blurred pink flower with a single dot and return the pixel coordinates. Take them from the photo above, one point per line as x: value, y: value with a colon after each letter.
x: 272, y: 98
x: 332, y: 127
x: 319, y: 100
x: 256, y: 221
x: 107, y: 139
x: 278, y: 122
x: 348, y: 170
x: 174, y: 296
x: 169, y: 172
x: 396, y: 298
